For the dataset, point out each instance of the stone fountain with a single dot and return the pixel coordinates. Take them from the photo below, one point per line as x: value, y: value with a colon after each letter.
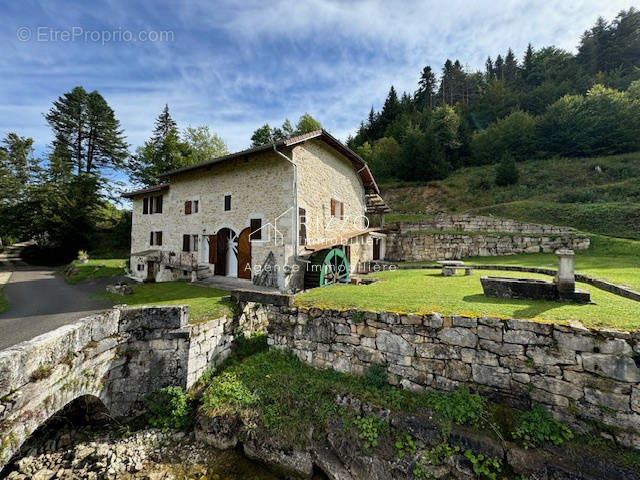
x: 562, y: 289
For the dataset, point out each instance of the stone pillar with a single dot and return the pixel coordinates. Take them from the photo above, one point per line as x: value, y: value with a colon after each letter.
x: 565, y: 278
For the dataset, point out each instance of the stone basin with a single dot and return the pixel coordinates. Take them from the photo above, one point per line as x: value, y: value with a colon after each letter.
x: 530, y: 289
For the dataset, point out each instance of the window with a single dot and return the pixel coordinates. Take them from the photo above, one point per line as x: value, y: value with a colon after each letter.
x: 337, y: 208
x: 227, y: 203
x: 194, y: 243
x: 186, y: 243
x: 195, y: 206
x: 255, y: 224
x: 157, y: 204
x: 145, y: 206
x: 155, y: 238
x: 302, y: 221
x: 140, y: 267
x: 187, y: 207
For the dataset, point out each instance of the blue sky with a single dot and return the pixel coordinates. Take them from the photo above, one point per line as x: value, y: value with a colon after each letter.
x: 236, y: 65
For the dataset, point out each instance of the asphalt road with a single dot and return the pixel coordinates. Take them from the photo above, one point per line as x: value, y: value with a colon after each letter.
x: 40, y: 300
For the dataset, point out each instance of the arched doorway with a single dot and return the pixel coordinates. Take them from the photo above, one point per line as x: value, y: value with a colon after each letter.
x: 226, y: 258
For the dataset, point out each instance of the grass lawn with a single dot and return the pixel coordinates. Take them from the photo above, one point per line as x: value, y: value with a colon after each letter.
x: 4, y: 278
x: 423, y: 291
x: 96, y: 268
x: 616, y: 260
x: 204, y: 303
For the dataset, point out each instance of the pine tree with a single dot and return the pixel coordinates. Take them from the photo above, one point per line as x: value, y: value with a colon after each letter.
x: 510, y: 68
x: 489, y: 72
x: 390, y: 110
x: 426, y: 89
x: 527, y: 64
x: 86, y: 132
x: 498, y: 67
x: 164, y: 151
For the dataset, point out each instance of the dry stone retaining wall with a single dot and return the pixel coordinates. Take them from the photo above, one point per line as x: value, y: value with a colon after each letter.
x: 478, y: 236
x: 586, y: 377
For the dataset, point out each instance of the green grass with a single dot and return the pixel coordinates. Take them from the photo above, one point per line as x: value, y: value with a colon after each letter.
x: 96, y: 268
x: 204, y: 303
x: 560, y: 191
x: 613, y: 259
x: 4, y: 278
x: 423, y: 291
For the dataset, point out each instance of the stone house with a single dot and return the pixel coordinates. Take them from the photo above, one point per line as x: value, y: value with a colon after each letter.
x: 287, y: 215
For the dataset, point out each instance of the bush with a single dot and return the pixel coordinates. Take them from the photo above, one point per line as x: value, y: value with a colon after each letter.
x: 227, y: 390
x: 169, y: 408
x: 460, y: 406
x: 376, y: 376
x: 507, y: 172
x: 537, y: 426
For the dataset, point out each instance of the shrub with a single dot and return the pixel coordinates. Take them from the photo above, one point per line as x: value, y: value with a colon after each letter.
x: 460, y: 406
x: 227, y: 390
x: 83, y: 256
x: 376, y: 375
x: 370, y: 429
x: 484, y: 467
x: 507, y: 172
x: 537, y: 426
x: 42, y: 372
x: 169, y: 407
x: 405, y: 445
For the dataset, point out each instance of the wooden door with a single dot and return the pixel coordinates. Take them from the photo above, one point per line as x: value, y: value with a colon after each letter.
x: 151, y: 270
x: 222, y: 240
x: 213, y: 248
x: 244, y: 254
x: 376, y: 248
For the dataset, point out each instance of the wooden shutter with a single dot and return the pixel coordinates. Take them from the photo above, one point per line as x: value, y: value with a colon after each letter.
x: 347, y: 252
x: 302, y: 221
x: 151, y: 238
x: 145, y: 206
x: 255, y: 224
x: 187, y: 208
x: 341, y: 210
x: 186, y: 243
x: 333, y: 207
x: 159, y: 238
x: 159, y: 204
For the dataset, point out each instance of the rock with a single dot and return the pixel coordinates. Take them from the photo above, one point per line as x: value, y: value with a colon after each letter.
x: 619, y: 368
x: 220, y: 432
x: 460, y: 336
x: 44, y: 474
x: 392, y: 343
x: 493, y: 376
x: 287, y: 458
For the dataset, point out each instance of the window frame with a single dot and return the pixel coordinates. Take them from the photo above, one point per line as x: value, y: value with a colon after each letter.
x: 227, y: 202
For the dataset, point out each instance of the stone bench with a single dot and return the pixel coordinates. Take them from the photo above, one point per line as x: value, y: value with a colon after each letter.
x: 449, y: 267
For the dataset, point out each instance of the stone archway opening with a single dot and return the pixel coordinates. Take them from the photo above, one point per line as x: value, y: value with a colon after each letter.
x: 84, y: 414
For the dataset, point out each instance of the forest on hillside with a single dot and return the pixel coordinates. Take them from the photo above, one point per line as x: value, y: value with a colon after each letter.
x: 548, y: 103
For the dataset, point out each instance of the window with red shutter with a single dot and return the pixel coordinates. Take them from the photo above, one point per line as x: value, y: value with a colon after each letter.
x: 159, y: 238
x: 341, y: 210
x: 187, y: 207
x: 333, y: 207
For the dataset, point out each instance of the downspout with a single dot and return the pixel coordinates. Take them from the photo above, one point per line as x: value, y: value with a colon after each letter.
x: 294, y: 230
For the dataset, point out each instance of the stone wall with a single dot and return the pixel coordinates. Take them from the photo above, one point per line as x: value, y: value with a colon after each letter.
x: 471, y: 236
x: 424, y: 246
x: 118, y: 356
x: 476, y: 223
x: 586, y: 377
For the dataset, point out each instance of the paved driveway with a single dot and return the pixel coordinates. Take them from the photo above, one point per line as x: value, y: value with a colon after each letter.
x: 40, y: 300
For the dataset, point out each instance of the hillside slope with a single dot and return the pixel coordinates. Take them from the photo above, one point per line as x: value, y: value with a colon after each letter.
x: 598, y: 194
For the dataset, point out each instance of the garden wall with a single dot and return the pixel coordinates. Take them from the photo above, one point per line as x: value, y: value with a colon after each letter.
x: 586, y: 377
x: 478, y: 236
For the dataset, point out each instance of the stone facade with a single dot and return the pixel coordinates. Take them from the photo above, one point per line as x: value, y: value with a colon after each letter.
x: 584, y: 376
x: 478, y: 236
x: 118, y: 357
x: 261, y: 186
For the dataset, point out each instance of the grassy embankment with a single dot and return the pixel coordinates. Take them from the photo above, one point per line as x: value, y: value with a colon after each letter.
x: 561, y: 191
x: 204, y: 303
